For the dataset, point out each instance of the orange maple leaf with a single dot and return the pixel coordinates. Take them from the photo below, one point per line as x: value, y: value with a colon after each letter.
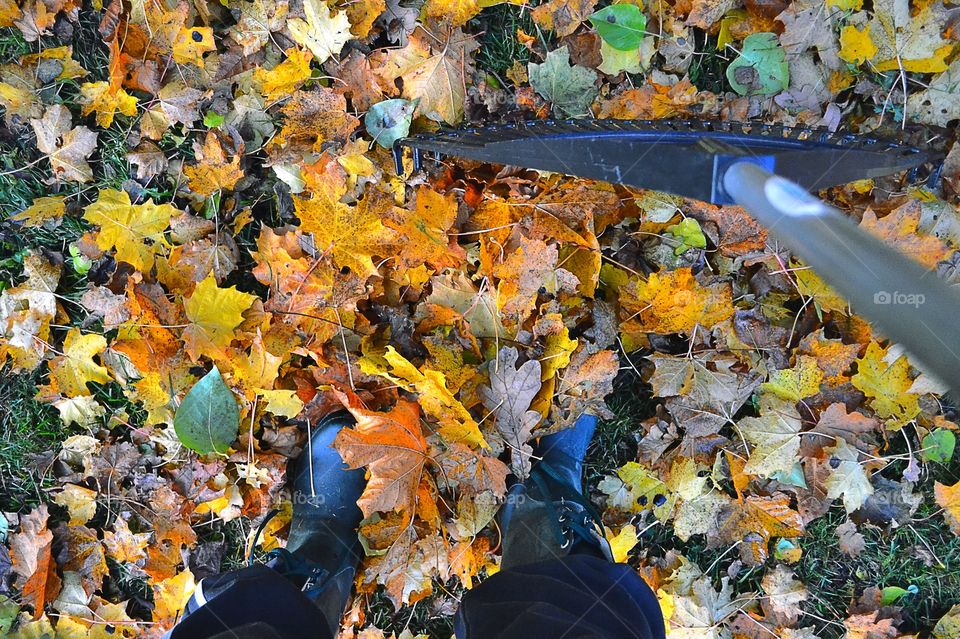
x: 392, y: 447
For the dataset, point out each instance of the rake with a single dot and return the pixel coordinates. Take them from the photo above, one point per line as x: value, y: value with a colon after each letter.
x: 767, y: 169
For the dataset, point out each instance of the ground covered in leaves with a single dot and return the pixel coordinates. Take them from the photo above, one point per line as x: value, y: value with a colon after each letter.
x: 200, y: 211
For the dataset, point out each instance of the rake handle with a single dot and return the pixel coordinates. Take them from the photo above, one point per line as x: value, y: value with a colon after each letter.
x: 908, y: 302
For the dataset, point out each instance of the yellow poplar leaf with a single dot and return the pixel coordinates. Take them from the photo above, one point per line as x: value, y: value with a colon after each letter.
x: 70, y: 372
x: 80, y: 502
x: 171, y: 595
x: 635, y: 489
x: 887, y: 386
x: 322, y: 33
x: 856, y: 46
x: 213, y: 172
x: 948, y: 498
x: 42, y: 209
x: 214, y: 315
x: 256, y: 371
x: 190, y: 45
x: 623, y: 542
x: 803, y: 380
x: 456, y: 424
x: 128, y: 227
x: 268, y: 537
x: 284, y: 403
x: 556, y: 354
x: 674, y: 302
x: 285, y: 78
x: 351, y: 233
x: 106, y: 99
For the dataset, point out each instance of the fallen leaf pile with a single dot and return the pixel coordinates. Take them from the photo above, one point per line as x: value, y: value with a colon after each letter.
x: 261, y: 264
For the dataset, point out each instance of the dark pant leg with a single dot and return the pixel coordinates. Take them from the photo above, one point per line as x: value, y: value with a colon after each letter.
x: 577, y: 596
x: 252, y: 603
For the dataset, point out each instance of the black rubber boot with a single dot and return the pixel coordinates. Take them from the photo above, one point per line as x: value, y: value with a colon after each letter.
x: 323, y: 549
x: 547, y: 516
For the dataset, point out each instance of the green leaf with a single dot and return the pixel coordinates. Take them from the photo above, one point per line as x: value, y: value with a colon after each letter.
x: 212, y: 120
x: 689, y: 233
x: 569, y: 88
x: 8, y: 612
x: 208, y: 419
x: 388, y: 121
x: 892, y: 594
x: 938, y: 446
x: 761, y: 68
x: 80, y: 262
x: 622, y: 26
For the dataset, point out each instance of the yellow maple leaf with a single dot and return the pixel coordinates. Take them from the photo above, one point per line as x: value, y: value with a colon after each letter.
x: 191, y: 43
x: 41, y: 210
x: 9, y: 13
x: 899, y: 229
x: 171, y: 595
x: 70, y: 372
x: 455, y: 12
x: 26, y: 311
x: 810, y: 285
x: 322, y: 33
x: 887, y: 386
x: 856, y: 46
x: 674, y: 302
x: 71, y: 68
x: 623, y: 542
x: 284, y: 403
x: 948, y: 498
x: 433, y: 71
x: 796, y: 383
x: 214, y: 315
x: 213, y: 172
x: 134, y: 230
x: 351, y: 233
x: 80, y: 502
x: 124, y: 545
x: 285, y: 78
x: 106, y: 99
x: 456, y: 424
